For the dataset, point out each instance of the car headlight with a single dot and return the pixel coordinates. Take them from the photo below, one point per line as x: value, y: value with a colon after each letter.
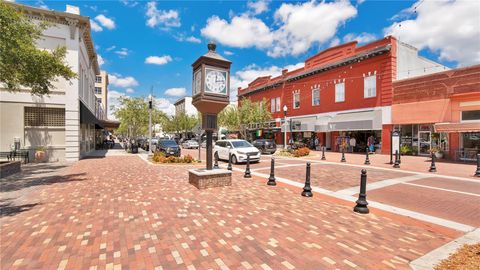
x: 242, y: 153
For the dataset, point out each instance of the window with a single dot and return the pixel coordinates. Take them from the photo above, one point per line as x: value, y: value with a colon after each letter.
x: 98, y: 90
x: 296, y: 100
x: 272, y: 105
x: 471, y: 115
x: 340, y: 92
x: 370, y: 86
x: 45, y: 117
x: 98, y: 79
x: 315, y: 97
x: 278, y: 104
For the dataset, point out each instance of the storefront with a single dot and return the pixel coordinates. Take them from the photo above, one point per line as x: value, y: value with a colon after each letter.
x: 422, y: 139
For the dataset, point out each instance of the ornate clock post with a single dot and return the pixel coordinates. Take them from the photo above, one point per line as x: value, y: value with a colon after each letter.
x: 210, y: 91
x: 211, y: 83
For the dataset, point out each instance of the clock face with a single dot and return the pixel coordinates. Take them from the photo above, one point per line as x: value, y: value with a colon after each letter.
x: 216, y: 81
x: 197, y: 82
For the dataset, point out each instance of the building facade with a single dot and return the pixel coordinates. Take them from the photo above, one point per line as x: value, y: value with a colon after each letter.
x: 184, y: 105
x: 439, y: 113
x: 64, y: 122
x: 341, y: 93
x: 101, y: 92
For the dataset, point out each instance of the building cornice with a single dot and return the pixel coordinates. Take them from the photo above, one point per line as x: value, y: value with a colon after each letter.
x: 358, y: 57
x: 73, y: 21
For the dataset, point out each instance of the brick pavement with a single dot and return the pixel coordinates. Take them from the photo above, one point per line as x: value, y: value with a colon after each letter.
x: 121, y: 213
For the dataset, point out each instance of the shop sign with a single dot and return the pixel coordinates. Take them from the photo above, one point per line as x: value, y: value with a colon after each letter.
x: 395, y: 144
x: 307, y: 134
x: 424, y: 128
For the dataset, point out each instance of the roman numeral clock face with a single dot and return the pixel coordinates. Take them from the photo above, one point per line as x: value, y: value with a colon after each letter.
x: 216, y: 81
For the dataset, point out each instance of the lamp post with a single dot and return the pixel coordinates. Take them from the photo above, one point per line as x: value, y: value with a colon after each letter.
x: 150, y: 106
x: 285, y: 109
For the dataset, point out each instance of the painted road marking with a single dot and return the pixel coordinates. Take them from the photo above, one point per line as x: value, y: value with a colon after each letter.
x: 443, y: 189
x: 381, y: 184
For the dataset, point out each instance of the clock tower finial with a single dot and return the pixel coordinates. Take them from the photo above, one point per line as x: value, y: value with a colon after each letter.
x: 211, y: 46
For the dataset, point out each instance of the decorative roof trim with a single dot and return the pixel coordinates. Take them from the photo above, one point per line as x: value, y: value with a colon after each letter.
x: 347, y: 61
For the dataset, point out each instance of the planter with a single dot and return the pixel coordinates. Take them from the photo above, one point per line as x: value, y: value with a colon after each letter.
x: 39, y: 156
x: 438, y: 155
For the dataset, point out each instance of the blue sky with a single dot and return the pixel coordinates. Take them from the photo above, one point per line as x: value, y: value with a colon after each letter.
x: 145, y: 43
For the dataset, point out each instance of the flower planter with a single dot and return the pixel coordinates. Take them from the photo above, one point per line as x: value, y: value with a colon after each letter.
x: 39, y: 156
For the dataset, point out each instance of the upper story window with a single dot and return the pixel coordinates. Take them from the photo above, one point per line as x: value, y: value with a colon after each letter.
x: 340, y: 92
x: 296, y: 100
x: 98, y: 79
x: 370, y: 86
x: 316, y: 97
x: 275, y: 104
x: 471, y: 115
x: 98, y: 90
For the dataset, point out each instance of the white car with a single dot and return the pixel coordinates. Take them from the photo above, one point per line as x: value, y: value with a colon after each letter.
x: 239, y: 150
x: 190, y: 144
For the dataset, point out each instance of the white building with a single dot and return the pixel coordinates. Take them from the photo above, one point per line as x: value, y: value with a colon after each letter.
x: 184, y: 105
x: 64, y: 121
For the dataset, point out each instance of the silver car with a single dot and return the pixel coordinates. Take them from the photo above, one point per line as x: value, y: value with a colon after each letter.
x: 190, y: 144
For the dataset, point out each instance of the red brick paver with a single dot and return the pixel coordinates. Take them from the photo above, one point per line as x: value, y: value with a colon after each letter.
x: 122, y: 212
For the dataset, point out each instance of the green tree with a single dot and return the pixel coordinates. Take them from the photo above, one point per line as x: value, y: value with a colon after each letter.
x: 238, y: 118
x: 180, y: 123
x: 21, y: 62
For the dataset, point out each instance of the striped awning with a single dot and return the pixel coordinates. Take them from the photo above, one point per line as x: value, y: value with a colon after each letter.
x: 457, y: 127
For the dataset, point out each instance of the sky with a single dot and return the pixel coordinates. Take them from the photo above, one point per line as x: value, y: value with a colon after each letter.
x: 152, y: 44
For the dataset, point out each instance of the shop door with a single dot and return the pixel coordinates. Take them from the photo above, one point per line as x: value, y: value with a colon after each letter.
x: 425, y: 142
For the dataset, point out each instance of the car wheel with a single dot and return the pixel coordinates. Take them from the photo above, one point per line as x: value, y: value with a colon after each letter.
x: 234, y: 159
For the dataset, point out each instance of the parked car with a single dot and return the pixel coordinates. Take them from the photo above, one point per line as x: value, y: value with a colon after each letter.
x: 169, y: 148
x: 265, y: 146
x: 239, y: 150
x: 190, y: 144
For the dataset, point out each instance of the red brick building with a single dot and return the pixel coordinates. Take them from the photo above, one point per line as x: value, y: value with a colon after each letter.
x: 342, y: 92
x: 439, y: 112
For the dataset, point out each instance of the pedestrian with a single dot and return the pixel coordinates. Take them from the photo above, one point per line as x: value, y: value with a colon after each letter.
x: 316, y: 143
x: 290, y: 142
x: 371, y: 143
x: 353, y: 143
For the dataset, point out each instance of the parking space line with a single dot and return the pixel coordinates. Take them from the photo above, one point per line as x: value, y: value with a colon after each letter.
x: 381, y: 184
x: 281, y: 166
x: 443, y: 189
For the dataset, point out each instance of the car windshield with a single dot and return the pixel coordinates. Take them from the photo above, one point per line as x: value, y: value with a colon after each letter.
x: 241, y: 144
x: 169, y: 143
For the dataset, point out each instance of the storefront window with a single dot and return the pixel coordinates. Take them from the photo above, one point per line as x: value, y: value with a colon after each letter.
x: 471, y: 140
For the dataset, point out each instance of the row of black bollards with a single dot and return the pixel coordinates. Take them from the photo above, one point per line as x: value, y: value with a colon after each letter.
x: 247, y: 173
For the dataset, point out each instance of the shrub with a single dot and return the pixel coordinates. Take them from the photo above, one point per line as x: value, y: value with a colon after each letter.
x: 304, y: 151
x: 159, y: 157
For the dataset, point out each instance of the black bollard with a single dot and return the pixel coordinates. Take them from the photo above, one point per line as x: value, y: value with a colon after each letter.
x: 247, y: 169
x: 229, y: 167
x: 215, y: 165
x: 477, y: 173
x: 343, y: 155
x: 367, y: 158
x: 271, y: 179
x: 323, y: 153
x: 433, y: 168
x: 362, y: 203
x: 307, y: 190
x: 397, y: 162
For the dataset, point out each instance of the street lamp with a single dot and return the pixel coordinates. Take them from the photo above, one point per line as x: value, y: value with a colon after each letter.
x: 285, y: 109
x: 150, y: 106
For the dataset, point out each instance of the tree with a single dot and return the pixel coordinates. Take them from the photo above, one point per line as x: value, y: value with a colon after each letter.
x: 180, y: 123
x: 21, y: 62
x: 238, y: 119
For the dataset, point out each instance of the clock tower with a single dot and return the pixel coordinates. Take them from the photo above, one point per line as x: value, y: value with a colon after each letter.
x: 210, y: 91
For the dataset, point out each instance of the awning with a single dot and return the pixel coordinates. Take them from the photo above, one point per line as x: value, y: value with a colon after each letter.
x: 87, y: 117
x: 457, y: 127
x: 300, y: 124
x: 364, y: 120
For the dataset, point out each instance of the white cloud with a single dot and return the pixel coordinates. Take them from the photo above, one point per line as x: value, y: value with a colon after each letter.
x: 297, y: 27
x: 110, y: 48
x: 334, y: 42
x: 100, y: 60
x: 95, y: 27
x: 164, y: 105
x: 105, y: 22
x: 123, y: 52
x: 242, y: 32
x: 124, y: 82
x: 360, y: 38
x: 129, y: 3
x: 258, y: 7
x: 176, y: 92
x: 228, y: 53
x: 162, y: 18
x: 191, y: 39
x: 449, y: 28
x: 251, y: 72
x: 129, y: 90
x: 158, y: 60
x: 113, y: 101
